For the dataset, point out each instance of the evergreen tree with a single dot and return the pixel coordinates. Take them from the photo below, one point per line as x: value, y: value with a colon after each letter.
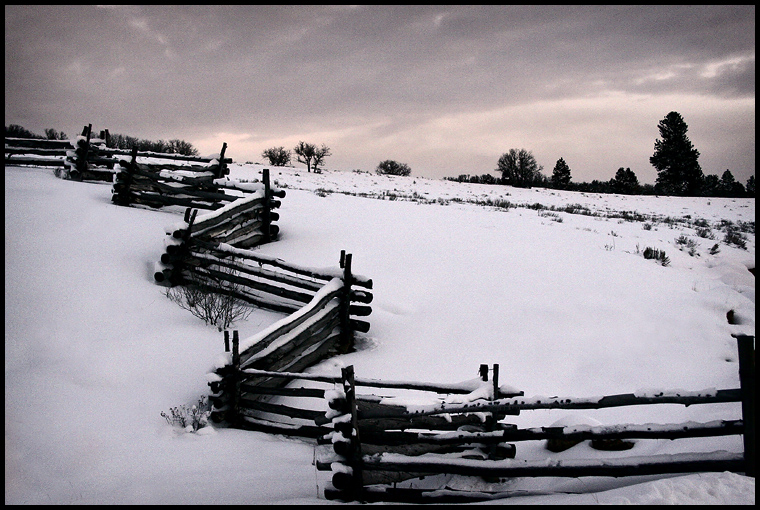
x: 561, y: 175
x: 750, y: 188
x: 711, y: 186
x: 624, y: 182
x: 675, y: 159
x: 729, y: 187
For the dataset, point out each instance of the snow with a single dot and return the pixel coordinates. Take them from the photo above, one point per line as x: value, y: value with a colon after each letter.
x: 94, y: 351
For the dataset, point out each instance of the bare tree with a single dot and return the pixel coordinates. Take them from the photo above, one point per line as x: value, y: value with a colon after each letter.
x: 319, y: 156
x: 519, y: 168
x: 310, y: 155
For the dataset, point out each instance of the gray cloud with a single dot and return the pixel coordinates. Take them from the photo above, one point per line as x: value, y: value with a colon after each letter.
x: 379, y: 82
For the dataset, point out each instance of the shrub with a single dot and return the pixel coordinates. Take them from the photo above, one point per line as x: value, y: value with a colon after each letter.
x: 690, y: 244
x: 733, y: 236
x: 219, y: 308
x: 190, y: 419
x: 390, y: 167
x: 658, y: 255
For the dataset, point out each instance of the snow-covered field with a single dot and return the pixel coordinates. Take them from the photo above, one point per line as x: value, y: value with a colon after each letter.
x: 565, y: 303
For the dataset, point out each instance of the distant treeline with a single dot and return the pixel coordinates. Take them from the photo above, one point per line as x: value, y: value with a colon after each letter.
x: 626, y: 183
x: 16, y: 131
x: 119, y: 141
x: 113, y: 141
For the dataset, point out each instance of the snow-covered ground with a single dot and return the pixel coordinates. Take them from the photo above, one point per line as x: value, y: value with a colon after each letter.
x: 565, y: 303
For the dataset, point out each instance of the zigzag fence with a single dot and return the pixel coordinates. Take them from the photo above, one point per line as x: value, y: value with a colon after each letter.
x: 211, y: 252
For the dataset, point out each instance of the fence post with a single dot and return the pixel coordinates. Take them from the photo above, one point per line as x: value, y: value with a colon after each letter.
x: 267, y: 219
x: 226, y: 341
x: 747, y: 381
x: 221, y: 173
x: 124, y: 182
x: 354, y: 455
x: 346, y: 331
x: 83, y: 151
x: 233, y: 414
x: 495, y: 381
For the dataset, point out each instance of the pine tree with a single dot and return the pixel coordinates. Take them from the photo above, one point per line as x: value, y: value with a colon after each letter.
x: 675, y: 159
x: 625, y: 182
x: 561, y: 175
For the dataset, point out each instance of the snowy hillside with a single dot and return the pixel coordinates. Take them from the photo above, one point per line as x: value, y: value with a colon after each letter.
x: 551, y: 285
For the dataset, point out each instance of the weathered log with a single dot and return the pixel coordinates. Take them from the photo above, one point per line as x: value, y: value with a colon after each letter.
x: 627, y: 466
x: 222, y: 250
x: 38, y: 142
x: 394, y: 437
x: 243, y: 207
x: 259, y: 301
x: 380, y: 425
x: 290, y: 350
x: 214, y: 276
x: 34, y: 161
x: 326, y: 349
x: 313, y: 308
x: 61, y: 153
x: 508, y: 406
x: 155, y: 200
x: 359, y: 310
x: 160, y: 155
x: 360, y: 326
x: 286, y: 429
x: 247, y: 403
x: 246, y: 289
x: 240, y: 232
x: 629, y: 431
x: 205, y: 259
x: 211, y: 231
x: 245, y: 387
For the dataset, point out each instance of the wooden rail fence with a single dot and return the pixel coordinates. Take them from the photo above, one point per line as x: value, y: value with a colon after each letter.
x: 371, y: 445
x: 85, y: 158
x: 160, y: 184
x: 243, y: 385
x: 88, y: 157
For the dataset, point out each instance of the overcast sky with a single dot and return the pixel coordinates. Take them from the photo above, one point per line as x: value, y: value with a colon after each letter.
x: 444, y: 89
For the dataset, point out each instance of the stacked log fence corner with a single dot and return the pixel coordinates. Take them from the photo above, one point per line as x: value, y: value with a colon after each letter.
x: 313, y: 332
x: 84, y: 158
x: 197, y: 183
